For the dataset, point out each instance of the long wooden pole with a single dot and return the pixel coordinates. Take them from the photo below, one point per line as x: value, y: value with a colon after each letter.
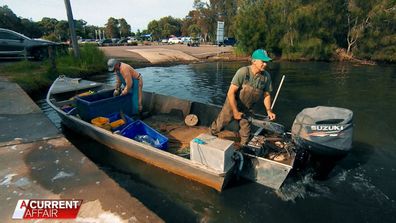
x: 259, y: 130
x: 277, y: 92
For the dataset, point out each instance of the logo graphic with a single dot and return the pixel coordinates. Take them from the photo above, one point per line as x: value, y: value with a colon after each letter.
x: 46, y: 208
x: 325, y: 130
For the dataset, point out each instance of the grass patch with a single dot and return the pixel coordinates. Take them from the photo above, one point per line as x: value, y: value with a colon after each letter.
x: 33, y: 76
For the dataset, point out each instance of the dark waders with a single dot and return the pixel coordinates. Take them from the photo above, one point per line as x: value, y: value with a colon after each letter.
x: 245, y: 98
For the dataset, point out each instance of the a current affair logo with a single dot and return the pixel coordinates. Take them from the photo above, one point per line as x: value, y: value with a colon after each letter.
x: 46, y: 208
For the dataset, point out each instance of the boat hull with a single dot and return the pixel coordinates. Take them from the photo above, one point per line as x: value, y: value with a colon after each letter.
x: 155, y: 157
x: 261, y: 170
x: 265, y: 171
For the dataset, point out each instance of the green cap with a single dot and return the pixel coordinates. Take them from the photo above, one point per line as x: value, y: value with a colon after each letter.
x: 261, y: 54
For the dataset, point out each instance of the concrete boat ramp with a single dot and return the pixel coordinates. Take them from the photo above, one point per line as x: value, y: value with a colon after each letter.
x: 162, y: 55
x: 38, y: 162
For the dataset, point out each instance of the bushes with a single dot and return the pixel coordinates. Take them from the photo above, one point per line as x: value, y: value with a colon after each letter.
x: 311, y: 49
x: 92, y: 60
x: 32, y: 76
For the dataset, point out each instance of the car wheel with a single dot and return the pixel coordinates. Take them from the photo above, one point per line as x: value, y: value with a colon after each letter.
x: 39, y: 53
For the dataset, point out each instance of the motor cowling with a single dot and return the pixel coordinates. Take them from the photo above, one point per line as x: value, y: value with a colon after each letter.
x: 324, y: 130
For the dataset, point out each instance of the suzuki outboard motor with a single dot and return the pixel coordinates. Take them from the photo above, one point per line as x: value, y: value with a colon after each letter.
x: 324, y: 130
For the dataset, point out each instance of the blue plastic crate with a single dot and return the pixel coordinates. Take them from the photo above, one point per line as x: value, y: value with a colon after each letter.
x: 103, y: 103
x: 139, y: 128
x: 116, y: 116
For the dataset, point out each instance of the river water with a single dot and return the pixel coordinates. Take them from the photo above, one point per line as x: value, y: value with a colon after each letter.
x: 360, y: 188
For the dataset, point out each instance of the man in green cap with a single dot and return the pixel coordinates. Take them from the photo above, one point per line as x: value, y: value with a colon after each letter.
x: 248, y: 84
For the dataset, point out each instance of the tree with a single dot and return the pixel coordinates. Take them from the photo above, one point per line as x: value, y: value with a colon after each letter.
x: 138, y: 34
x: 90, y: 32
x: 154, y: 29
x: 358, y: 21
x: 379, y: 39
x: 250, y: 31
x: 170, y: 26
x: 79, y: 26
x: 61, y: 31
x: 224, y: 10
x: 47, y: 25
x: 9, y: 20
x: 125, y: 28
x: 207, y: 20
x: 31, y: 29
x: 194, y: 30
x: 111, y: 28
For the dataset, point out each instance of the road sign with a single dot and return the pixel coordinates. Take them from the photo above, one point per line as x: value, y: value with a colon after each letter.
x: 220, y: 32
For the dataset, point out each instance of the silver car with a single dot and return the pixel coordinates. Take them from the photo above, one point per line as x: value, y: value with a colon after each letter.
x: 16, y: 45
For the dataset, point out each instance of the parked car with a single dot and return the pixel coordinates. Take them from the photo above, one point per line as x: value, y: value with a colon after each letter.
x: 129, y: 41
x: 174, y: 40
x: 194, y: 41
x: 122, y: 42
x: 164, y: 41
x: 105, y: 42
x: 132, y: 41
x: 185, y: 39
x: 84, y: 41
x: 228, y: 42
x: 16, y: 45
x: 115, y: 41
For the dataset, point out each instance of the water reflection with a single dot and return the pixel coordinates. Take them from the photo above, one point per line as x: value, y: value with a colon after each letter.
x: 205, y: 83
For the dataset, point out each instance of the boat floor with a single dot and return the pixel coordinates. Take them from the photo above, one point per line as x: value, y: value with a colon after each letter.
x: 179, y: 134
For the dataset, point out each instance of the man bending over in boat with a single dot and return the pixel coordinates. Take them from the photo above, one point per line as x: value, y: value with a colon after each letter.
x: 129, y: 78
x: 248, y: 84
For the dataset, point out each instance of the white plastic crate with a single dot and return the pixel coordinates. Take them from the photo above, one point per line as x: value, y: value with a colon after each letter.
x: 212, y: 152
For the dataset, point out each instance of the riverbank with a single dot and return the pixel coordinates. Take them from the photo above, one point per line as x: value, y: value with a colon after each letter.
x: 166, y: 55
x: 38, y: 162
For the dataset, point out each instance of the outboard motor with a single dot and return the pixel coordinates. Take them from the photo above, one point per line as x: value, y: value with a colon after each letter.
x: 325, y: 131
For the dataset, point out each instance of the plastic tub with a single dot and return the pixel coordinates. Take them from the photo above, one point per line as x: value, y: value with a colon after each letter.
x: 103, y: 103
x: 138, y: 128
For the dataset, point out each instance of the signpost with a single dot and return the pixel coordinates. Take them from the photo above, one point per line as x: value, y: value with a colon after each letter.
x: 73, y: 36
x: 220, y: 32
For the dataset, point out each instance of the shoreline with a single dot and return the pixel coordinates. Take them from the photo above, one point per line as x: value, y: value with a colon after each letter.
x: 168, y: 55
